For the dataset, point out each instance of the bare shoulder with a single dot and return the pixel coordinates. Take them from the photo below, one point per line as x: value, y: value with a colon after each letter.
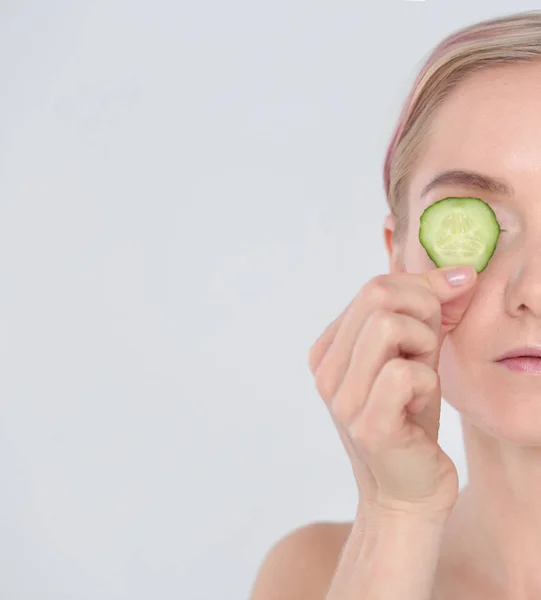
x: 301, y: 564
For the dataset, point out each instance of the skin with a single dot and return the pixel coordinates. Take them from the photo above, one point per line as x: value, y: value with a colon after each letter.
x: 493, y: 537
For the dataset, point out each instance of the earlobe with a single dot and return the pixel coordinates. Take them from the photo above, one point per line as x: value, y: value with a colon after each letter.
x: 388, y: 231
x: 395, y: 261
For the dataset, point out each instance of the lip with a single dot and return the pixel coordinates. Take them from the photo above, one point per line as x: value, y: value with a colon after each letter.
x: 523, y: 364
x: 523, y: 352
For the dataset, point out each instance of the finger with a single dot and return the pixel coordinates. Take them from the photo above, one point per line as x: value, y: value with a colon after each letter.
x: 435, y: 280
x: 382, y: 421
x: 385, y: 335
x: 322, y: 343
x: 378, y: 294
x: 336, y: 342
x: 454, y: 300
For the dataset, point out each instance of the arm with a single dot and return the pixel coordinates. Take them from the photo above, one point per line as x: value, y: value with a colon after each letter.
x: 394, y: 558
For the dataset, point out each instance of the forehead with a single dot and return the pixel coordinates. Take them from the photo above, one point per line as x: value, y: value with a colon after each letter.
x: 490, y: 123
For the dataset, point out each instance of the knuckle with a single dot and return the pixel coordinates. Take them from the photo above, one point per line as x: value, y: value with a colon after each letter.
x: 366, y: 435
x: 326, y: 382
x: 378, y: 291
x: 386, y: 323
x: 400, y: 371
x: 342, y: 410
x: 434, y: 340
x: 432, y: 306
x: 358, y: 434
x: 428, y: 304
x: 345, y: 404
x: 433, y: 379
x: 359, y: 430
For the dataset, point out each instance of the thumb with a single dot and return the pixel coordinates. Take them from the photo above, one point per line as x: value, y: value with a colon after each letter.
x: 457, y: 297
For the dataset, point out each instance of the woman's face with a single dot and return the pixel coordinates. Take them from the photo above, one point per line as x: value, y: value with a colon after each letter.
x: 491, y: 125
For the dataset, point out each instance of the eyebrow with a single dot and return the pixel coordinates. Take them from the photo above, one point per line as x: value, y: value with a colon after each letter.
x: 469, y: 179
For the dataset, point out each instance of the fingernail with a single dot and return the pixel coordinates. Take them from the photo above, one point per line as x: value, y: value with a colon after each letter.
x: 459, y: 275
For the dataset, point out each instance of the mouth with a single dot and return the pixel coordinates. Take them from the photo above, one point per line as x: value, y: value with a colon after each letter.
x: 522, y: 364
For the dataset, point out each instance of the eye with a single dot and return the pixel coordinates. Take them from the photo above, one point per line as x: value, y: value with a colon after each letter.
x: 500, y: 236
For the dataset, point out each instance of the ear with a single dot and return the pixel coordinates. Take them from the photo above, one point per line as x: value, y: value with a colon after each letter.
x: 388, y: 229
x: 395, y: 262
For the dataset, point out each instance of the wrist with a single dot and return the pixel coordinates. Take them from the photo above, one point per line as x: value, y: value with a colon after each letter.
x: 397, y: 530
x: 403, y: 514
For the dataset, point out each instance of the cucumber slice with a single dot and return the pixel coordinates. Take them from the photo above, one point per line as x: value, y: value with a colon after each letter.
x: 459, y: 231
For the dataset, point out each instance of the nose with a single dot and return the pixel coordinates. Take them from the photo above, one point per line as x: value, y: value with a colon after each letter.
x: 523, y: 293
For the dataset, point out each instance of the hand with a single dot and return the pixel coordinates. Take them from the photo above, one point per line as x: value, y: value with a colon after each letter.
x: 375, y: 367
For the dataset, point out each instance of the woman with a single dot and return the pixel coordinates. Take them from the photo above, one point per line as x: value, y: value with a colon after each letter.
x: 470, y: 127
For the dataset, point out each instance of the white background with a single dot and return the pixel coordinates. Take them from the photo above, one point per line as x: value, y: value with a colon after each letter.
x: 189, y: 194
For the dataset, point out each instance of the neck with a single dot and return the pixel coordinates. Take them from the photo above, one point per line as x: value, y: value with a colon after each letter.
x: 499, y: 513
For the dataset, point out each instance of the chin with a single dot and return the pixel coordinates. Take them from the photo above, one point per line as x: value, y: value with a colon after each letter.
x: 495, y: 409
x: 514, y: 427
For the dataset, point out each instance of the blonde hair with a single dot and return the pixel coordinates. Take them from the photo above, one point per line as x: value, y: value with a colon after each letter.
x: 504, y: 40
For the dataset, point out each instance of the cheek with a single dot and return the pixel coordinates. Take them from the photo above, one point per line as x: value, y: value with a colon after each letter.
x: 465, y: 356
x: 449, y: 372
x: 457, y: 371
